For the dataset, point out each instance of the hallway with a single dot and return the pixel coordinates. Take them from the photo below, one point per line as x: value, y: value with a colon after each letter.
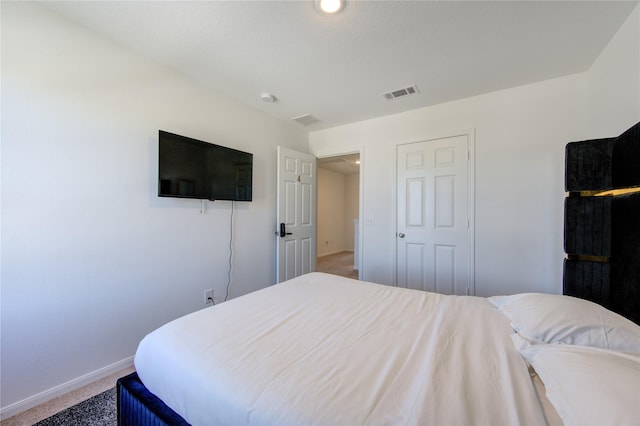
x: 338, y: 264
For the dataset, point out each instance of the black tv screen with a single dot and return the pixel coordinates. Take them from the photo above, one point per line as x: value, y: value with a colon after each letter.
x: 190, y: 168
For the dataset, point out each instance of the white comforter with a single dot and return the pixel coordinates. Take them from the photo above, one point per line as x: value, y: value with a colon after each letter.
x: 321, y: 349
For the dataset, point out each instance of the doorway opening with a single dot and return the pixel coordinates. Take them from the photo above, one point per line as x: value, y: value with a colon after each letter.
x: 338, y: 215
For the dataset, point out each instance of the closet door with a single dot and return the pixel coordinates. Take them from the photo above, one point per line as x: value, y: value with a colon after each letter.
x: 433, y: 234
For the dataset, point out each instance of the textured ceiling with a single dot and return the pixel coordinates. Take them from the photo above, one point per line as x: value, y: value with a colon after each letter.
x: 338, y: 67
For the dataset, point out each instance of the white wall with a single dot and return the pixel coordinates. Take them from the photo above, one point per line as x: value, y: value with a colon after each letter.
x: 92, y: 259
x: 352, y: 207
x: 520, y: 135
x: 614, y: 82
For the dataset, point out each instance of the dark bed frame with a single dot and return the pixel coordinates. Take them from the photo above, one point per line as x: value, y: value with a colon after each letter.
x: 602, y: 240
x: 137, y: 406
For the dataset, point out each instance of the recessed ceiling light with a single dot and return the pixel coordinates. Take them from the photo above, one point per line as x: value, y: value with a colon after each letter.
x: 330, y: 7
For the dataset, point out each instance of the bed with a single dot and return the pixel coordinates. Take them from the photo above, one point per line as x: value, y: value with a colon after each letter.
x: 328, y: 350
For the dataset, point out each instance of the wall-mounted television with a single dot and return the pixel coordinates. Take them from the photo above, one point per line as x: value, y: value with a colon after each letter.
x: 190, y: 168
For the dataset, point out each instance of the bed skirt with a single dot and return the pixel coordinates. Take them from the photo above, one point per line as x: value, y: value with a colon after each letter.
x: 137, y: 406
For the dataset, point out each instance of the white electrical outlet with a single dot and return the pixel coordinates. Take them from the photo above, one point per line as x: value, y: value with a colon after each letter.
x: 208, y: 296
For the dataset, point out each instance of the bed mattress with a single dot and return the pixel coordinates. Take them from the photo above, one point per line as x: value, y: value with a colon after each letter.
x: 322, y: 349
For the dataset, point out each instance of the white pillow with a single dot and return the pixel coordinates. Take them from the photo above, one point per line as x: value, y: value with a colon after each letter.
x: 552, y: 318
x: 587, y: 386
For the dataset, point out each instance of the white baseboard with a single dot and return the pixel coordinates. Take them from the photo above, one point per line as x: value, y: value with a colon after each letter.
x: 42, y: 397
x: 335, y: 252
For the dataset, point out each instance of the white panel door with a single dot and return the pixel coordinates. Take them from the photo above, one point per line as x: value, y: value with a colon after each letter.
x: 433, y: 234
x: 296, y: 214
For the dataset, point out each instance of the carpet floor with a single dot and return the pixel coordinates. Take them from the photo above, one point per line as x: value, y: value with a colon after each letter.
x: 99, y: 410
x: 338, y: 264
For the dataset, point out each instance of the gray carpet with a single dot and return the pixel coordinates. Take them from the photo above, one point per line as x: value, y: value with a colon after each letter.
x: 338, y: 264
x: 97, y: 411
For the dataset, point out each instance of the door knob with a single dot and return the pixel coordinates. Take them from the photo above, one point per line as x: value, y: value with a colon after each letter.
x: 282, y: 232
x: 401, y: 235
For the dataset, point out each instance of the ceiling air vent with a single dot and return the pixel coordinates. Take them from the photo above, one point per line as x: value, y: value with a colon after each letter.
x: 305, y: 119
x: 410, y: 90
